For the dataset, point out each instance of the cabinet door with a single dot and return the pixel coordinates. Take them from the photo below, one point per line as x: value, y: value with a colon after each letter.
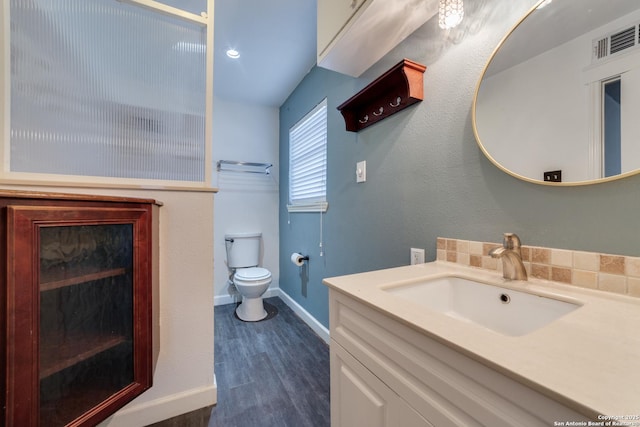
x: 360, y: 399
x: 79, y: 325
x: 333, y: 16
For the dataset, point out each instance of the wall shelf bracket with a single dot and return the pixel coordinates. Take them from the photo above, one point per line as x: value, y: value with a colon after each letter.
x: 395, y: 90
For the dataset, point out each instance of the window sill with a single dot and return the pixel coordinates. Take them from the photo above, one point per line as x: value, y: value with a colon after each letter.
x: 310, y: 207
x: 62, y: 181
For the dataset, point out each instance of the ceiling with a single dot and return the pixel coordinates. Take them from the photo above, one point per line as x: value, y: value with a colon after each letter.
x: 277, y: 44
x: 277, y: 41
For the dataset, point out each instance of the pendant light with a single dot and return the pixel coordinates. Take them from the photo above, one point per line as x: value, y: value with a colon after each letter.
x: 450, y: 13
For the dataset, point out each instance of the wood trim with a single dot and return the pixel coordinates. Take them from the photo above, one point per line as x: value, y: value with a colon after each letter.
x: 20, y: 194
x: 22, y: 323
x: 9, y: 178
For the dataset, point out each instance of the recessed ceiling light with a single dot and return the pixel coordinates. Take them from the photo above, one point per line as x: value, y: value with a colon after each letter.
x: 233, y: 54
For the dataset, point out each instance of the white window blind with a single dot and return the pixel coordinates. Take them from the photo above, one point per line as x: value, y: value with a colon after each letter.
x: 308, y: 162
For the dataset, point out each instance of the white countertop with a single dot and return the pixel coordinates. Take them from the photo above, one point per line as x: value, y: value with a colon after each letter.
x: 588, y: 359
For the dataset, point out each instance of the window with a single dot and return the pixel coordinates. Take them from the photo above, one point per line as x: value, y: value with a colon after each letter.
x: 612, y: 126
x: 308, y: 162
x: 107, y: 89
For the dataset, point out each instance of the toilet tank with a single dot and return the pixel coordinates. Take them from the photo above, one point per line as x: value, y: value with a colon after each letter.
x: 243, y: 249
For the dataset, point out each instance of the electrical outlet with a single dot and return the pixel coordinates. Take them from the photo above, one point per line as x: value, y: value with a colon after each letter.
x: 553, y: 176
x: 417, y: 256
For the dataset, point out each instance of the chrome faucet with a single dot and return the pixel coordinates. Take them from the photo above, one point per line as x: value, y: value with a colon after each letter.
x: 512, y: 265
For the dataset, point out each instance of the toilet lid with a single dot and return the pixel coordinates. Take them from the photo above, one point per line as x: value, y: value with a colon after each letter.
x: 252, y: 273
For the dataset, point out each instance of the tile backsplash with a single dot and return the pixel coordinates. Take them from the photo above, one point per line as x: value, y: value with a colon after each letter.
x: 610, y: 273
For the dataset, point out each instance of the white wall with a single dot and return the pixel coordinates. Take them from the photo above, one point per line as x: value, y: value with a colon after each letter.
x: 245, y: 201
x: 539, y: 149
x: 183, y: 380
x: 630, y: 145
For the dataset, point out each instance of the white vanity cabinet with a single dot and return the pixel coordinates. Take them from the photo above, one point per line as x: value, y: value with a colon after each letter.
x: 385, y: 373
x: 354, y: 34
x: 364, y: 400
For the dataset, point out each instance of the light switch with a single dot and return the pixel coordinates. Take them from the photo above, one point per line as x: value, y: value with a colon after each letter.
x: 361, y: 171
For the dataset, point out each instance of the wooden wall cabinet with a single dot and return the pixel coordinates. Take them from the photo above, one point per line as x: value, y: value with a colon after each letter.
x: 78, y: 296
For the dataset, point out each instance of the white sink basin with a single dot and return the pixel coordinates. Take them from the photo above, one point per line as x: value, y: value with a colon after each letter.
x: 500, y: 309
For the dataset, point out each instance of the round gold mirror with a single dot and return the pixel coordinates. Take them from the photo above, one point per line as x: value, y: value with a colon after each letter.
x: 557, y: 103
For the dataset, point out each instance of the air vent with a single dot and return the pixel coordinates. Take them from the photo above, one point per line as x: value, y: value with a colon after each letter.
x: 623, y: 40
x: 615, y: 43
x: 601, y: 48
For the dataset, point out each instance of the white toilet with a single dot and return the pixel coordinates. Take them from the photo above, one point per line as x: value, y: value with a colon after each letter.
x: 243, y: 255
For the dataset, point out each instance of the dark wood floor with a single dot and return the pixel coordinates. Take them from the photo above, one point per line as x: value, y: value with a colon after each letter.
x: 269, y: 373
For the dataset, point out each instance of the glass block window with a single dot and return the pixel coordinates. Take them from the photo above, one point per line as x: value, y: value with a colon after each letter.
x: 105, y: 88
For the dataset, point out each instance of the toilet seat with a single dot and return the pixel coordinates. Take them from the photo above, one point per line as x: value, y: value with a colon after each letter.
x: 252, y: 274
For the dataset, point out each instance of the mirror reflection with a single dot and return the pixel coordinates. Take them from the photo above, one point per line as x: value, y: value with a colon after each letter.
x: 557, y: 99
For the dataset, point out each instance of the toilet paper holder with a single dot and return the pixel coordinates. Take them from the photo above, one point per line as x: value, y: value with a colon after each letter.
x: 298, y: 259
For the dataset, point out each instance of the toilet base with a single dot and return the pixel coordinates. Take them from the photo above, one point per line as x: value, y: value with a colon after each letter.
x: 251, y: 309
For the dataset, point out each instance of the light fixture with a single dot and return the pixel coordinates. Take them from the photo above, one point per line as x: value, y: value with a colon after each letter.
x: 233, y: 54
x: 450, y: 13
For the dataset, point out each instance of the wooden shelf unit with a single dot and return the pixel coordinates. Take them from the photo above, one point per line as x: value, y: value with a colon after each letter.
x: 73, y: 350
x: 78, y: 326
x: 392, y: 92
x: 62, y: 278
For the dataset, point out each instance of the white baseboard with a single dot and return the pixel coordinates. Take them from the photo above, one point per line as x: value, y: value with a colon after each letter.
x: 317, y: 327
x: 163, y: 408
x: 225, y: 299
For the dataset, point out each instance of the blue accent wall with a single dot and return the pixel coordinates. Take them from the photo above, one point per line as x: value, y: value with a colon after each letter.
x: 426, y: 176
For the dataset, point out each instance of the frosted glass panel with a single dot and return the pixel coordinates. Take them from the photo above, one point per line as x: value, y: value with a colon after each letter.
x: 102, y: 88
x: 193, y: 6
